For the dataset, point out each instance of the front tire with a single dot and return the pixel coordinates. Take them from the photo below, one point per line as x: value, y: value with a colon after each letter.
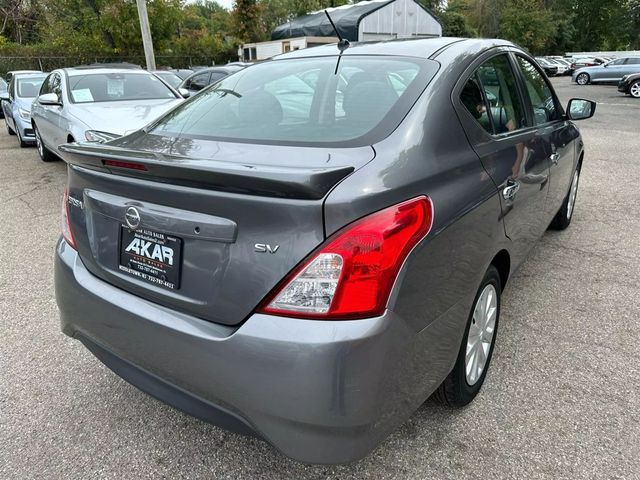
x: 583, y: 79
x: 470, y: 370
x: 563, y: 218
x: 634, y: 89
x: 9, y: 129
x: 44, y: 153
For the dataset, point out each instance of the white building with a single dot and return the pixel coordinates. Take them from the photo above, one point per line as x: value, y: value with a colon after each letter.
x: 359, y: 22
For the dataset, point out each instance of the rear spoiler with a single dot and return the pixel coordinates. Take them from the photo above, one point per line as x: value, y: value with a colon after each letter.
x: 268, y: 180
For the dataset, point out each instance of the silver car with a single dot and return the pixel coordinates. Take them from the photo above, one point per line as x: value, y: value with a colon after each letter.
x: 16, y: 105
x: 96, y: 104
x: 611, y: 71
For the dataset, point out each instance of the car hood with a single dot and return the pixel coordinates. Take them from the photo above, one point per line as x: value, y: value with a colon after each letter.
x: 590, y: 69
x: 24, y: 103
x: 121, y: 117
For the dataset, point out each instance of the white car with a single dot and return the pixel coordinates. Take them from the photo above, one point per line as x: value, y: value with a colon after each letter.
x: 96, y: 104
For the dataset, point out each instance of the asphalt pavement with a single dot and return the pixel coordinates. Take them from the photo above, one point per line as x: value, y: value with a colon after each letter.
x: 562, y: 398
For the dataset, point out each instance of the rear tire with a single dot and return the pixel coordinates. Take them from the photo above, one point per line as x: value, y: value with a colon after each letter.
x: 563, y: 218
x: 474, y: 358
x: 44, y: 153
x: 583, y: 79
x: 634, y: 89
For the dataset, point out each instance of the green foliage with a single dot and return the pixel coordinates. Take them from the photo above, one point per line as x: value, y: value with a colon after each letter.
x: 527, y: 23
x: 90, y: 29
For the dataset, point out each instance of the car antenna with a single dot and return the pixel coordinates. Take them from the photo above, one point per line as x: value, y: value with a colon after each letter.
x: 343, y: 43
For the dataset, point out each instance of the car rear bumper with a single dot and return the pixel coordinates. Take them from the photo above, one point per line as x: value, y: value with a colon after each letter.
x: 319, y: 391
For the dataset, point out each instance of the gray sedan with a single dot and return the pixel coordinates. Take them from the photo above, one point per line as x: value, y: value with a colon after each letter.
x: 307, y: 259
x: 96, y: 104
x: 612, y: 71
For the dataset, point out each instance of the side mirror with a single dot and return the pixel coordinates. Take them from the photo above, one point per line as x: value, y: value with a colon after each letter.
x: 184, y: 92
x: 580, y: 109
x: 5, y: 96
x: 49, y: 99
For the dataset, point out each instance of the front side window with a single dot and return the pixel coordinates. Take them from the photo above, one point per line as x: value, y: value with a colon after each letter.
x: 301, y: 100
x: 542, y: 100
x: 633, y: 61
x: 496, y: 82
x: 198, y: 82
x: 114, y: 87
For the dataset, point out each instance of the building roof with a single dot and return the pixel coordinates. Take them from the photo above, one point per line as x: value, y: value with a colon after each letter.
x: 316, y: 24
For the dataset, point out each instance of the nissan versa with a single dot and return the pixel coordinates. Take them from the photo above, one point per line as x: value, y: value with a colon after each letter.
x: 308, y: 249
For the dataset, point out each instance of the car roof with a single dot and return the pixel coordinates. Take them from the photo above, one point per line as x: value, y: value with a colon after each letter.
x: 29, y: 75
x: 408, y: 47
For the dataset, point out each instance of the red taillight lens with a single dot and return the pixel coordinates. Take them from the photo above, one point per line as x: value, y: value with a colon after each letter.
x: 66, y: 228
x: 351, y: 275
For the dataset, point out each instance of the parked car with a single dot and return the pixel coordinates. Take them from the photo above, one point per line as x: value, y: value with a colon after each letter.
x: 96, y: 104
x: 609, y: 72
x: 561, y: 67
x: 3, y: 92
x: 182, y: 72
x: 169, y: 77
x: 580, y: 62
x: 206, y: 76
x: 630, y: 85
x: 312, y: 280
x: 549, y: 68
x: 11, y: 73
x: 16, y: 105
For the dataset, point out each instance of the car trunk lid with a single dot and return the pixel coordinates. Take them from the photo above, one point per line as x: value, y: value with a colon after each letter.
x: 214, y: 235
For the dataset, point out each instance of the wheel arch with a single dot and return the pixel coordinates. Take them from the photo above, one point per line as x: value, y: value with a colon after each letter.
x: 502, y: 262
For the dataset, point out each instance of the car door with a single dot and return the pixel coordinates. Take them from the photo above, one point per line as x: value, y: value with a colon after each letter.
x: 7, y: 106
x: 511, y: 150
x: 48, y: 117
x: 613, y: 70
x: 631, y: 65
x: 556, y: 133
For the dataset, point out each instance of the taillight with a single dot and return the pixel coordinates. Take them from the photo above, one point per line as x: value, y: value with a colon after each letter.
x: 66, y: 228
x: 352, y: 273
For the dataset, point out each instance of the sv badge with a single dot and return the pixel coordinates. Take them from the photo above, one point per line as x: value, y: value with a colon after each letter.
x: 265, y: 247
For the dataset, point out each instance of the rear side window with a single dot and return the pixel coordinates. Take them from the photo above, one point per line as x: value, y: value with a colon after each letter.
x: 491, y: 96
x: 305, y: 100
x: 540, y: 95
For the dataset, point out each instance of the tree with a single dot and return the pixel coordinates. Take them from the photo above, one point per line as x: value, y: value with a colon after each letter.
x: 527, y: 23
x: 246, y: 21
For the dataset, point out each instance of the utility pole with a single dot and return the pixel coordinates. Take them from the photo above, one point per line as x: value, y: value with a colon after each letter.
x: 147, y: 43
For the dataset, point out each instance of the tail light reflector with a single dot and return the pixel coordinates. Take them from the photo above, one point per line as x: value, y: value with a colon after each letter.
x: 352, y: 273
x: 66, y: 227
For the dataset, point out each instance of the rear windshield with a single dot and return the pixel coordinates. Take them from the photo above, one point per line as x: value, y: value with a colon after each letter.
x: 113, y: 87
x: 309, y: 101
x: 29, y: 87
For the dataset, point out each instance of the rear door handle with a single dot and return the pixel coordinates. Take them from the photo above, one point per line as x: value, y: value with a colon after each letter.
x: 554, y: 157
x: 511, y: 189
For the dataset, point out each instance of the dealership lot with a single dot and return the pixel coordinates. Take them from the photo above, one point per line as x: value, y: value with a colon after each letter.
x: 562, y: 399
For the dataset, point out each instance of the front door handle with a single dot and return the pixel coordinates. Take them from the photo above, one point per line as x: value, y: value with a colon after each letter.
x: 554, y: 158
x: 511, y: 189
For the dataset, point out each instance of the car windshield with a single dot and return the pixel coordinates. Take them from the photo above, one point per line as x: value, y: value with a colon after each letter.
x: 312, y: 100
x: 29, y: 87
x: 171, y: 78
x: 113, y: 87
